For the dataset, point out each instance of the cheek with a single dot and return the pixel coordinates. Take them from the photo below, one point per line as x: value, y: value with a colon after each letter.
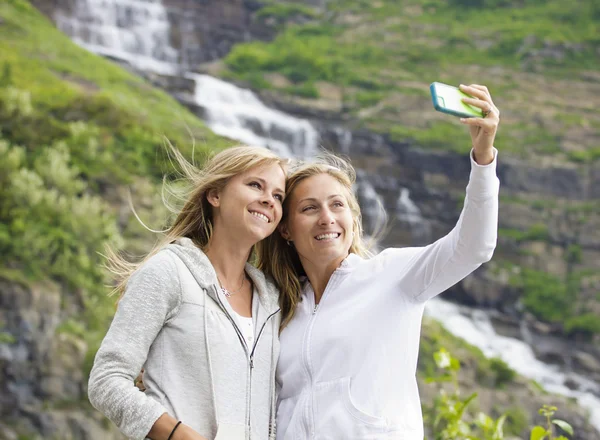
x: 298, y: 228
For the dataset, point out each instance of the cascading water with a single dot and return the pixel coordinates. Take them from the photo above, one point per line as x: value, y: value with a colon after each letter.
x: 475, y: 327
x: 136, y: 31
x: 238, y: 114
x: 408, y: 213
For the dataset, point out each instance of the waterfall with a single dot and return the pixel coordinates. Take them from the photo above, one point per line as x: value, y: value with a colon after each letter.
x: 475, y: 327
x: 136, y: 31
x: 238, y: 114
x: 371, y: 204
x: 409, y: 214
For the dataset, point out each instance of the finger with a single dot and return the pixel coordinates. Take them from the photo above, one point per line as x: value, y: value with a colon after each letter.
x: 482, y: 88
x: 475, y: 92
x: 486, y: 124
x: 483, y: 105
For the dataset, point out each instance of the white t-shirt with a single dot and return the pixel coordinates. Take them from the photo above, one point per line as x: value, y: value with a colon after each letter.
x: 247, y: 328
x: 244, y: 323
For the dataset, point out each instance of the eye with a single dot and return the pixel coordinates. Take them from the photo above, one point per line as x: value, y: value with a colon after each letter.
x: 279, y: 197
x: 255, y: 185
x: 338, y: 204
x: 307, y: 208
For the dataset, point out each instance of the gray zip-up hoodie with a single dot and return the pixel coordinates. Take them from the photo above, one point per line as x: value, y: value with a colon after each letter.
x: 198, y: 368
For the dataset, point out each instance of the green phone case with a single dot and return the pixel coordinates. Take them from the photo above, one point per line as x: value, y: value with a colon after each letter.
x: 447, y: 99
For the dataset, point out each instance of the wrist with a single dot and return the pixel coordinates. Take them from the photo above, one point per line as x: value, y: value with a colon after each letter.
x: 173, y: 435
x: 483, y: 156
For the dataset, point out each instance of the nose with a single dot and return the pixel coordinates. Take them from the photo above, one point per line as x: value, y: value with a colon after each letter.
x: 268, y: 200
x: 326, y: 218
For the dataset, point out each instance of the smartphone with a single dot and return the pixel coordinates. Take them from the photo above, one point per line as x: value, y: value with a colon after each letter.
x: 447, y: 99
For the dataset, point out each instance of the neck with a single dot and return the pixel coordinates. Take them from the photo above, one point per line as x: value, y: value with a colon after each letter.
x: 319, y: 274
x: 228, y: 258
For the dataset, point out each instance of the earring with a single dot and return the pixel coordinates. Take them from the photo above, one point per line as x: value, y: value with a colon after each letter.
x: 289, y: 242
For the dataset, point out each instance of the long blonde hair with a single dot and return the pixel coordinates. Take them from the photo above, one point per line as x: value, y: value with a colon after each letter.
x: 279, y: 260
x: 194, y: 220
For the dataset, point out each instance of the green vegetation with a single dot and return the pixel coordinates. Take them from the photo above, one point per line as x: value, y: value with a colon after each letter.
x: 545, y: 295
x: 398, y: 48
x: 75, y: 130
x: 547, y: 432
x: 490, y: 373
x: 284, y: 12
x: 538, y: 232
x: 452, y: 417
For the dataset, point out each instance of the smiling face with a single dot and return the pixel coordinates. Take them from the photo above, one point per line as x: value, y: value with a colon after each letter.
x: 249, y: 207
x: 319, y: 220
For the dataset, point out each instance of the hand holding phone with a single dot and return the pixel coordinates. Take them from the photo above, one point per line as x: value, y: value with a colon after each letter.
x: 448, y: 99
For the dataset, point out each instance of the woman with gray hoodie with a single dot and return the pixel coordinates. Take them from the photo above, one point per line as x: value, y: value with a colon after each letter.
x: 196, y: 316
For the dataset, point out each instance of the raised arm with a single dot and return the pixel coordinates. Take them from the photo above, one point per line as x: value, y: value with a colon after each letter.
x: 430, y: 270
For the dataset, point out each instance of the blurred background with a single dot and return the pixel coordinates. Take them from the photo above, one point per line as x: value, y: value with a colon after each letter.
x: 89, y: 89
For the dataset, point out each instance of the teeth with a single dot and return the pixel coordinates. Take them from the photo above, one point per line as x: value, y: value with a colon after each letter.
x: 260, y: 216
x: 327, y: 236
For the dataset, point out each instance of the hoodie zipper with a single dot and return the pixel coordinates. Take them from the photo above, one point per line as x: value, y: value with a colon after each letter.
x: 307, y: 335
x: 250, y: 355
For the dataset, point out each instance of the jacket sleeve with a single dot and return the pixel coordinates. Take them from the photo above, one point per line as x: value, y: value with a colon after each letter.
x: 152, y: 297
x: 432, y: 269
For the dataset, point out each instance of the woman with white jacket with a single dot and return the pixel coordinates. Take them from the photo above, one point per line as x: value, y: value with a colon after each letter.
x: 200, y: 320
x: 351, y: 324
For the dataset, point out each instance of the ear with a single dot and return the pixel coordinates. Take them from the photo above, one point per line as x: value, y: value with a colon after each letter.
x: 283, y: 230
x: 213, y: 197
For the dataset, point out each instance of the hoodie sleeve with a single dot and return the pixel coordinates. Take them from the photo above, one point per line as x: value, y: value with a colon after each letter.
x: 432, y: 269
x: 152, y: 297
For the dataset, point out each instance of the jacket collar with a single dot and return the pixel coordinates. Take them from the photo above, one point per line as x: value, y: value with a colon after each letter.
x: 204, y: 273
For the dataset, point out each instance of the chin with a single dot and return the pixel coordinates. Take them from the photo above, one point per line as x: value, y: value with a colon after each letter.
x: 261, y: 234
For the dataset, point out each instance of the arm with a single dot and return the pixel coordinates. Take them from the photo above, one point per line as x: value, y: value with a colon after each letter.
x: 439, y: 266
x: 151, y: 299
x: 434, y: 268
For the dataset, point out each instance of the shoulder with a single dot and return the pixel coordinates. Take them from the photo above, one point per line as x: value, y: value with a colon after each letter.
x: 158, y: 271
x: 395, y: 256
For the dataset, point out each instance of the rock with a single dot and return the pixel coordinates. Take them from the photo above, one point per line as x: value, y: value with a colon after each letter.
x: 7, y: 434
x: 41, y: 368
x: 586, y: 361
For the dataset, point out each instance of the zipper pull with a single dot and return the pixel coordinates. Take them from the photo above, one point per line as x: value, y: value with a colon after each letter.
x: 251, y: 362
x: 316, y: 307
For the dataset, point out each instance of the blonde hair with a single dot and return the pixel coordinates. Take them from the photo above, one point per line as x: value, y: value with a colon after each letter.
x: 279, y: 260
x: 194, y: 220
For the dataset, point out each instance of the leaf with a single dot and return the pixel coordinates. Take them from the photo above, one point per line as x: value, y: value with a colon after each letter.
x: 461, y: 406
x: 442, y: 358
x: 538, y: 433
x: 563, y: 425
x: 499, y: 433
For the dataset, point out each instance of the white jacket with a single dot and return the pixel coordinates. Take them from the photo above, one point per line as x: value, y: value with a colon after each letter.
x: 347, y: 367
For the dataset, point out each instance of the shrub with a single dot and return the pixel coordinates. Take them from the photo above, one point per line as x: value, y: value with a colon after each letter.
x: 502, y: 371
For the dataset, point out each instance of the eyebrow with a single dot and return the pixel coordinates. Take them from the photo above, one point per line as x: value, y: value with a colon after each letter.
x: 263, y: 181
x: 312, y: 199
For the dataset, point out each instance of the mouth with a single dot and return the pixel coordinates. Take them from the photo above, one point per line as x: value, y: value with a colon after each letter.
x: 261, y: 216
x: 328, y: 237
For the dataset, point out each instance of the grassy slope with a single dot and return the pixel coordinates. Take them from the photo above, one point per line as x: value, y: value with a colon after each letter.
x: 77, y: 131
x: 382, y: 55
